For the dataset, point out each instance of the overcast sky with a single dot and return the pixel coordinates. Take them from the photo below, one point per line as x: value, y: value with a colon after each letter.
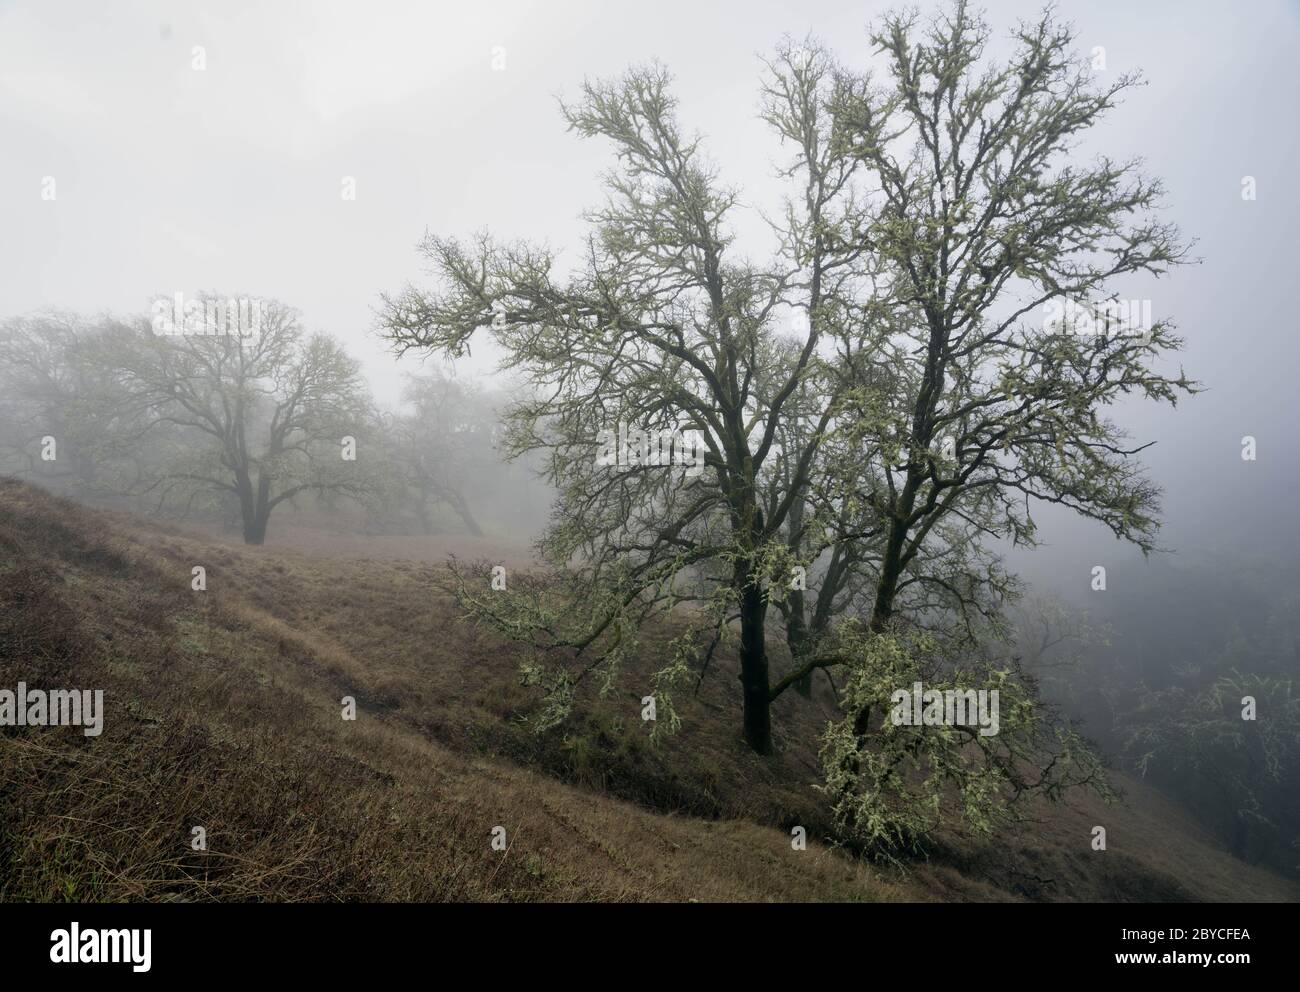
x: 169, y: 178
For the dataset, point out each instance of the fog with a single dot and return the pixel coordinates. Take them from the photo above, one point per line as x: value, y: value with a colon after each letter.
x: 224, y: 175
x: 173, y: 179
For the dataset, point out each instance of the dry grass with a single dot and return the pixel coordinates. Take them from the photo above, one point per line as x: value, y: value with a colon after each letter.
x: 223, y: 711
x: 220, y: 715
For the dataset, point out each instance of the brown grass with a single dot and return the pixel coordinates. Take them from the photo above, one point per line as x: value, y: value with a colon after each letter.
x: 223, y: 711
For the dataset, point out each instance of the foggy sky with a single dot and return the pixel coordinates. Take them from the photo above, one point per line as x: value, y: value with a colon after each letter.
x: 229, y: 179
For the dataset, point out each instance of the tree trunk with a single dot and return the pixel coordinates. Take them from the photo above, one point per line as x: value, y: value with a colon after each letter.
x: 255, y: 528
x: 254, y: 508
x: 753, y: 669
x: 466, y: 516
x: 797, y: 626
x: 796, y: 636
x: 891, y: 565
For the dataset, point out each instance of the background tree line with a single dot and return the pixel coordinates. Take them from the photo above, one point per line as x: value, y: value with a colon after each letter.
x: 1161, y: 679
x: 237, y: 427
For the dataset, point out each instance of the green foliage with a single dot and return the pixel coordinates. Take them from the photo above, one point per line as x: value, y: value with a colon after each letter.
x: 892, y: 785
x: 933, y: 211
x: 1243, y: 773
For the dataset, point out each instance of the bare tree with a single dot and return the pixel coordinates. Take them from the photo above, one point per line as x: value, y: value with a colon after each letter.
x: 888, y: 447
x: 47, y: 390
x: 444, y: 441
x: 661, y: 332
x: 261, y: 417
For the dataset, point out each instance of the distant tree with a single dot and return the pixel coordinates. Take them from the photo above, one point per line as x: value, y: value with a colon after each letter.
x: 442, y: 443
x: 54, y: 384
x: 938, y: 222
x: 258, y: 419
x: 1242, y: 775
x: 1053, y: 641
x: 45, y: 388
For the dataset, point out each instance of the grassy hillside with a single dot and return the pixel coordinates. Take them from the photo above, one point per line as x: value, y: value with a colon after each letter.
x: 223, y: 711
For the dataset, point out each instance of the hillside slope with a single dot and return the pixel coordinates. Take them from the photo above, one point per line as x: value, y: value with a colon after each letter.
x: 223, y: 712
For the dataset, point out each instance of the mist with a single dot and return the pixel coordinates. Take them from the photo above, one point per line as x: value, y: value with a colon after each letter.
x: 319, y: 158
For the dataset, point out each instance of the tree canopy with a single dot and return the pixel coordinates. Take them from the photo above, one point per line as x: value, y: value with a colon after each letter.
x: 866, y: 463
